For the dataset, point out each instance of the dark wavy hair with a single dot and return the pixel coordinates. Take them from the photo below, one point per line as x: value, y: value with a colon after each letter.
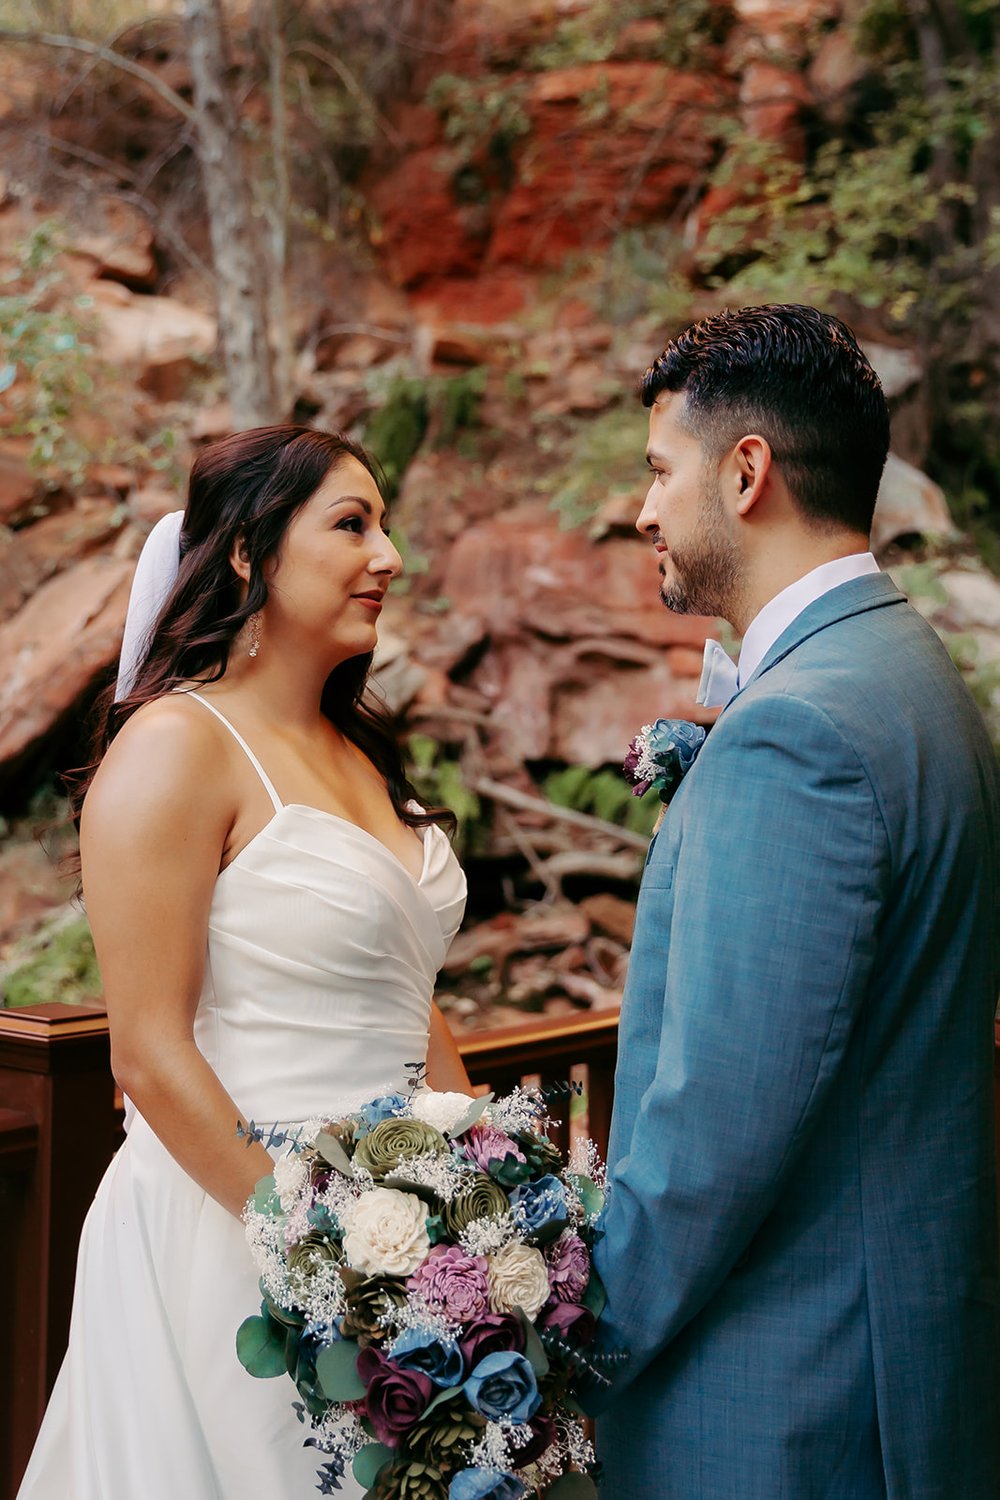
x: 798, y: 377
x: 244, y: 491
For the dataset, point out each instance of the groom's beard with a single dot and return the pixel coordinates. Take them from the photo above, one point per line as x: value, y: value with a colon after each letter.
x: 706, y: 571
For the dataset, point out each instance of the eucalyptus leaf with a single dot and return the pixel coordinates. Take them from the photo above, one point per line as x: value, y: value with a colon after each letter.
x: 572, y: 1487
x: 534, y: 1353
x: 368, y: 1461
x: 260, y: 1348
x: 591, y: 1196
x: 265, y: 1197
x: 442, y: 1396
x: 336, y: 1371
x: 402, y: 1184
x: 333, y: 1152
x: 472, y: 1115
x: 595, y: 1297
x: 8, y: 374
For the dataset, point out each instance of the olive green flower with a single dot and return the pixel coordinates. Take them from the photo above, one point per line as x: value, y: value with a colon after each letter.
x: 369, y: 1298
x: 393, y: 1141
x: 410, y: 1479
x: 438, y: 1436
x: 482, y: 1199
x: 312, y: 1253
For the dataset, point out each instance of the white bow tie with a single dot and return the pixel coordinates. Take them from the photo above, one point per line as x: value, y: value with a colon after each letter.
x: 720, y: 678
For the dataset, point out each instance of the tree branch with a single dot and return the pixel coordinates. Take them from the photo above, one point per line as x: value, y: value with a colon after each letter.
x: 108, y: 55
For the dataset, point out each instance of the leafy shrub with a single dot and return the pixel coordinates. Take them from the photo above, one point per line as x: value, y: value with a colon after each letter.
x: 62, y: 968
x: 603, y: 793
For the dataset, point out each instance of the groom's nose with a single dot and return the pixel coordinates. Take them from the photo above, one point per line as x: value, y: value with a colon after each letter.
x: 646, y: 523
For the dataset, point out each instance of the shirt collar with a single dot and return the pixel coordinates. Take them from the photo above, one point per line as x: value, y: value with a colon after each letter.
x: 776, y: 616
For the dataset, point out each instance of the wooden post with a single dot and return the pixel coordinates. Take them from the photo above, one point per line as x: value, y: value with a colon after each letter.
x: 58, y: 1131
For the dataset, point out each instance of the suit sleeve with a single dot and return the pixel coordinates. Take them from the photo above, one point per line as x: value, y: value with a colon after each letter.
x: 779, y: 877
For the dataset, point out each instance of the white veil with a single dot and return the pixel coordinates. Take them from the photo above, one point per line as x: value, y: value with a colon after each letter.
x: 155, y: 575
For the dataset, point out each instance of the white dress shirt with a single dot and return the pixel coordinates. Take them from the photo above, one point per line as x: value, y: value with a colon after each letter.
x: 720, y: 679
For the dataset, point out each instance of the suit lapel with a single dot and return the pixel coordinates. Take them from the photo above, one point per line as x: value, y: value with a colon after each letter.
x: 873, y: 591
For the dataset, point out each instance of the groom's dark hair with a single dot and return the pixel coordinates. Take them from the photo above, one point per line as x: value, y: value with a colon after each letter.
x: 797, y: 377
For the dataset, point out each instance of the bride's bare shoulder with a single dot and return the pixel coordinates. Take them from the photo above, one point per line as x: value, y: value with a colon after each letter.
x: 169, y: 757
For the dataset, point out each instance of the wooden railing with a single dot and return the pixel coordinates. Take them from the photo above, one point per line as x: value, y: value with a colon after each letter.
x: 59, y: 1127
x: 58, y: 1131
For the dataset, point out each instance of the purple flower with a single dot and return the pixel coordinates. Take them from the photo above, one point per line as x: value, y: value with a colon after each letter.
x: 575, y: 1324
x: 569, y: 1268
x: 484, y: 1144
x: 394, y: 1398
x: 503, y: 1385
x: 494, y: 1333
x: 543, y: 1435
x: 453, y: 1281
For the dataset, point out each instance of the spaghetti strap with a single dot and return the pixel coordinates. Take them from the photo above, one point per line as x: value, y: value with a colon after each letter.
x: 265, y: 779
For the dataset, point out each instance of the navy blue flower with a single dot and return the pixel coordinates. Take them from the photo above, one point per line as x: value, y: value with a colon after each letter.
x: 539, y: 1206
x: 440, y: 1362
x: 503, y: 1385
x: 661, y: 755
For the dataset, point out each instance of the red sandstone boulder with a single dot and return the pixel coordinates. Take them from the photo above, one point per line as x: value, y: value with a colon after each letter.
x: 579, y: 650
x: 17, y: 480
x: 54, y: 648
x: 162, y: 339
x: 35, y: 553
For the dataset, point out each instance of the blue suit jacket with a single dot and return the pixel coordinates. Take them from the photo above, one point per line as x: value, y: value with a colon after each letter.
x: 801, y: 1235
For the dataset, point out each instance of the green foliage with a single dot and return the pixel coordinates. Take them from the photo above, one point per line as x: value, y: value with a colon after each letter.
x: 641, y: 277
x: 439, y: 782
x: 45, y: 375
x: 456, y: 401
x: 64, y: 969
x: 605, y: 459
x: 591, y: 34
x: 603, y: 793
x: 396, y: 430
x: 896, y: 210
x: 446, y: 406
x: 483, y: 121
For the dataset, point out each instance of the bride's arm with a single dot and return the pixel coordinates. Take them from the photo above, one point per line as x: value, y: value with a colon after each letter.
x: 153, y: 830
x: 445, y: 1068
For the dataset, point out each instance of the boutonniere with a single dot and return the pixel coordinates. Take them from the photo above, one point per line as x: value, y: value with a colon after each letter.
x: 661, y: 755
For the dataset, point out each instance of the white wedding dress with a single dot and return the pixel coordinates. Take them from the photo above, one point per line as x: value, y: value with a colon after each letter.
x: 322, y: 954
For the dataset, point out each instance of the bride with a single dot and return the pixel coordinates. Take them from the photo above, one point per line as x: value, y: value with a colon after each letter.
x: 270, y: 908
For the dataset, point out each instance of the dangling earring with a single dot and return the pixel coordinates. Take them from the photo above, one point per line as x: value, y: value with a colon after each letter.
x: 254, y: 623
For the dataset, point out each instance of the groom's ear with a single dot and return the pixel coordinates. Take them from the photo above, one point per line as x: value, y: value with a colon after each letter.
x: 751, y: 463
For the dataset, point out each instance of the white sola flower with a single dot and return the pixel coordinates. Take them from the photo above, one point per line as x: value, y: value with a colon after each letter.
x: 442, y: 1110
x: 518, y: 1278
x: 290, y: 1176
x: 386, y: 1233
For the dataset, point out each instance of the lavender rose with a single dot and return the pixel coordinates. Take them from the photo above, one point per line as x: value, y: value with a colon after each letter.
x: 394, y: 1398
x: 493, y: 1333
x: 453, y: 1281
x: 568, y: 1268
x: 485, y: 1144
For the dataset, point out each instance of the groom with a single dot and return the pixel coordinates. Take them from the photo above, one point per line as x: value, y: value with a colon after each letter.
x: 800, y: 1245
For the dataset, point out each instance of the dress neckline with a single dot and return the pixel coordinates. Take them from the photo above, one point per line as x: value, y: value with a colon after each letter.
x: 321, y: 812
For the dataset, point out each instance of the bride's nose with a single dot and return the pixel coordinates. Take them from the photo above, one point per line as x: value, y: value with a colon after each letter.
x: 385, y: 557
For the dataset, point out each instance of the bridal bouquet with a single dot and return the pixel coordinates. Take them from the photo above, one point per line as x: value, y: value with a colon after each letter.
x: 425, y: 1265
